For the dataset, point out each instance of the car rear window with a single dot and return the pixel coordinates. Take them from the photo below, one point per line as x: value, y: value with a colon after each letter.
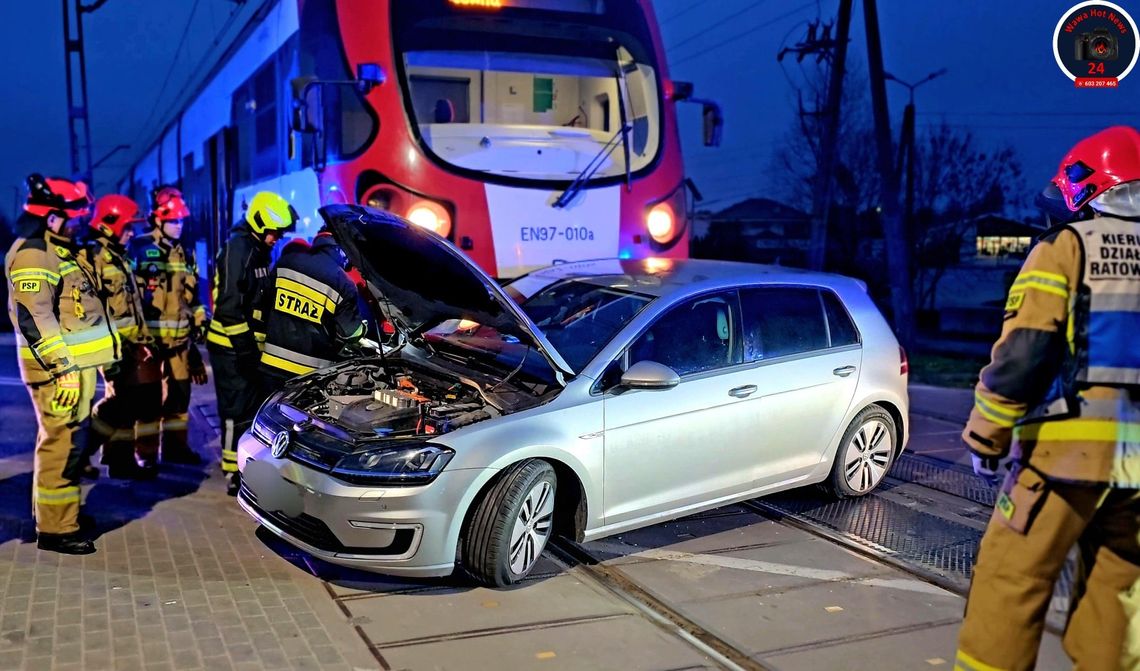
x: 781, y: 321
x: 843, y: 331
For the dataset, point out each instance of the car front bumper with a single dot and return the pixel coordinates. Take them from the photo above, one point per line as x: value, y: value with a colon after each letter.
x: 402, y: 531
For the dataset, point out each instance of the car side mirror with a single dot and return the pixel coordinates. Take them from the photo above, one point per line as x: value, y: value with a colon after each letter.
x: 650, y: 375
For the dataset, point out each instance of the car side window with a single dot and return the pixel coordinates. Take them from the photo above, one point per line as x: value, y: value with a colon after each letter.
x: 839, y: 324
x: 698, y: 335
x: 781, y: 321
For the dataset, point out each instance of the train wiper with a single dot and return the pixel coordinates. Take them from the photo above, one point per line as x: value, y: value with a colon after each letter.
x: 592, y: 167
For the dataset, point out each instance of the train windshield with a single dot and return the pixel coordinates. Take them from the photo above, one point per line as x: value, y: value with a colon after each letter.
x: 531, y: 94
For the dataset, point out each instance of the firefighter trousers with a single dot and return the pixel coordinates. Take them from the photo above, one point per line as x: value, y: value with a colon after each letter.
x: 61, y: 445
x: 175, y: 411
x: 128, y: 413
x: 239, y: 395
x: 1016, y: 571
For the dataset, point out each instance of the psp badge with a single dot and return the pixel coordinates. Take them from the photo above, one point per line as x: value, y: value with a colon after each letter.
x: 1095, y: 44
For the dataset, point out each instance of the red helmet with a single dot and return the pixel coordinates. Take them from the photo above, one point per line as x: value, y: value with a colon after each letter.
x: 1098, y: 163
x: 113, y: 213
x: 169, y: 205
x: 53, y: 195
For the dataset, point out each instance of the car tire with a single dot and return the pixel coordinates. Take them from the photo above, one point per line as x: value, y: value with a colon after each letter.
x: 865, y: 454
x: 510, y: 524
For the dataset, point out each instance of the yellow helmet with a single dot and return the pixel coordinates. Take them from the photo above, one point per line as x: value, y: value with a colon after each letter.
x: 270, y: 212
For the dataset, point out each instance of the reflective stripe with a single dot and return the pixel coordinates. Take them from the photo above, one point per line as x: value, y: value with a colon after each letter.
x: 217, y: 339
x: 969, y: 663
x: 312, y: 363
x: 99, y: 426
x: 34, y: 274
x: 993, y: 411
x: 60, y: 496
x: 257, y: 314
x: 1050, y: 283
x: 277, y: 362
x: 1081, y: 430
x: 318, y: 287
x: 68, y: 267
x: 143, y: 429
x: 99, y: 344
x: 229, y: 455
x: 236, y: 329
x: 49, y: 345
x: 169, y: 329
x: 259, y: 337
x: 306, y: 292
x: 1103, y: 374
x: 174, y: 424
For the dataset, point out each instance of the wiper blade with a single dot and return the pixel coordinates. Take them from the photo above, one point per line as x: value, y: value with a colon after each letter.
x: 592, y: 167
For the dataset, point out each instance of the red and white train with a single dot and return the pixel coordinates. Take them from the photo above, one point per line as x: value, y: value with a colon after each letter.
x: 525, y: 131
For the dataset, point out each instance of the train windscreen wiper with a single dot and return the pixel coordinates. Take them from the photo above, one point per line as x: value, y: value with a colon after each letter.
x: 593, y: 166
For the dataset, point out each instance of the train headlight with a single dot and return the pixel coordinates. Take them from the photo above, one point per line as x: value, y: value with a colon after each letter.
x: 430, y: 215
x: 661, y: 223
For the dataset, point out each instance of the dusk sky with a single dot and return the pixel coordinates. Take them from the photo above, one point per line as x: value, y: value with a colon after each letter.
x: 1002, y: 80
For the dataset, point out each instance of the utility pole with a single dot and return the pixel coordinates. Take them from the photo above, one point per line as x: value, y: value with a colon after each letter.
x: 906, y: 143
x: 898, y: 248
x: 77, y: 118
x: 825, y: 170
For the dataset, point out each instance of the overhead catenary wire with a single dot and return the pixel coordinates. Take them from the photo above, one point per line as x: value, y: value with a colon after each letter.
x: 144, y: 131
x: 173, y: 63
x: 710, y: 27
x: 686, y: 10
x: 739, y: 36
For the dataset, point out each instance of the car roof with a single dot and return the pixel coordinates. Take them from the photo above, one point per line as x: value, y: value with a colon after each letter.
x: 662, y: 277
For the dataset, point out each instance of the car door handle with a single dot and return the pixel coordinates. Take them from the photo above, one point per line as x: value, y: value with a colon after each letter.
x: 742, y: 392
x: 844, y: 371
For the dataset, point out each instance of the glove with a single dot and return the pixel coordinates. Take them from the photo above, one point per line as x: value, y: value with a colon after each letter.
x: 198, y: 331
x: 986, y: 468
x: 66, y: 392
x: 197, y: 366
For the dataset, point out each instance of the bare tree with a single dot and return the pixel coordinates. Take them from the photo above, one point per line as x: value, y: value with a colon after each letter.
x: 956, y: 183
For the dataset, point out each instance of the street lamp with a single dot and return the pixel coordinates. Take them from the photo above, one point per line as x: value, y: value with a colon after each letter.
x: 906, y: 142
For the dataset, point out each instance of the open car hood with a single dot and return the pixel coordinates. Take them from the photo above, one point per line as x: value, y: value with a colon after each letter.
x: 421, y: 279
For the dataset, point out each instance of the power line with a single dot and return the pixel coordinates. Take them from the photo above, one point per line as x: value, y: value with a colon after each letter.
x: 677, y: 15
x: 727, y: 19
x: 744, y: 34
x: 207, y: 53
x: 173, y: 63
x: 1019, y: 113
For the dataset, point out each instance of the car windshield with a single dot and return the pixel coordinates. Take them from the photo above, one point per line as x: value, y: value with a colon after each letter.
x: 578, y: 317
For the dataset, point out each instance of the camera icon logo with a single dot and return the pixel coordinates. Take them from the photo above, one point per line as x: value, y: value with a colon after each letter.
x: 1095, y: 44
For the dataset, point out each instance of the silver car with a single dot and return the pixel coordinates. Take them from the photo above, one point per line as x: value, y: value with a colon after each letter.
x: 586, y: 399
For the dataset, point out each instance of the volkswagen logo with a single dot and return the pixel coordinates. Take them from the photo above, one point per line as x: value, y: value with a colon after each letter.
x: 280, y: 444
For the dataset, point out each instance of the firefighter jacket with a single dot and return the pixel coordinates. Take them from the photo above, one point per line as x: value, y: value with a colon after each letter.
x: 314, y: 310
x: 120, y: 292
x: 168, y: 279
x: 241, y: 277
x: 60, y: 320
x: 1063, y: 385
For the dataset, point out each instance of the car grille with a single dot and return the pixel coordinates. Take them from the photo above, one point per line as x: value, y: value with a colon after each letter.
x: 314, y: 532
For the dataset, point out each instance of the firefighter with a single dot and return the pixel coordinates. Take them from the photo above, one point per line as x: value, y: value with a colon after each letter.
x: 313, y: 312
x: 63, y: 334
x: 237, y: 329
x: 114, y: 417
x: 168, y: 278
x: 1061, y: 396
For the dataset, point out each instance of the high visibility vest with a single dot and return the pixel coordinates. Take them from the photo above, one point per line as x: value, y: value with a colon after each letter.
x: 1104, y: 330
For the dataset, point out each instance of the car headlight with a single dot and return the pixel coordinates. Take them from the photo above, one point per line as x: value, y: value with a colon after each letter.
x: 268, y: 420
x: 394, y: 465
